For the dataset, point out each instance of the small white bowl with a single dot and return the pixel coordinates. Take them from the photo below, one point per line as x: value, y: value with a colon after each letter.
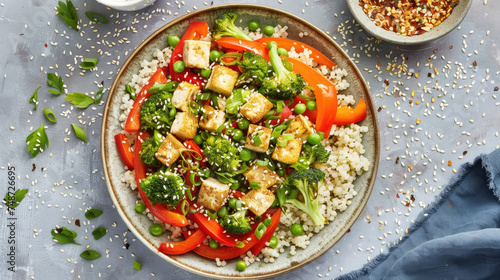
x: 127, y: 5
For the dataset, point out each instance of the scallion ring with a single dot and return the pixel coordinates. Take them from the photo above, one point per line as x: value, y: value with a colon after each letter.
x: 89, y: 63
x: 49, y: 114
x: 185, y: 207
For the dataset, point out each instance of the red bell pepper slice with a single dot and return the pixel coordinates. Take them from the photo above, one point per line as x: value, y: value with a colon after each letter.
x: 299, y: 47
x: 348, y: 115
x: 124, y: 150
x: 226, y: 253
x: 195, y: 31
x: 283, y: 116
x: 324, y: 90
x: 178, y: 248
x: 133, y: 122
x: 243, y: 45
x: 212, y: 228
x: 159, y: 211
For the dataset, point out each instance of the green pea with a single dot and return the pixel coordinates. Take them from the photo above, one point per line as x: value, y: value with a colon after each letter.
x: 245, y: 155
x: 311, y: 105
x: 156, y: 229
x: 223, y: 212
x: 268, y: 31
x: 253, y: 25
x: 314, y: 139
x: 237, y: 135
x: 300, y: 108
x: 140, y: 208
x: 213, y: 244
x: 280, y: 172
x: 241, y: 265
x: 243, y: 124
x: 273, y: 242
x: 271, y: 44
x: 296, y: 229
x: 173, y: 40
x: 198, y: 140
x: 179, y: 66
x: 282, y: 51
x: 215, y: 55
x: 232, y: 203
x: 205, y: 73
x: 235, y: 186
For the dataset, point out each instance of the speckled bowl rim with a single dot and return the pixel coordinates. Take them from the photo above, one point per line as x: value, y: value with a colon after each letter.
x: 350, y: 220
x: 457, y: 16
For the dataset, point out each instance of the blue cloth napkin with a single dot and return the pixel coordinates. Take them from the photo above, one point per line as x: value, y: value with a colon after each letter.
x: 456, y: 237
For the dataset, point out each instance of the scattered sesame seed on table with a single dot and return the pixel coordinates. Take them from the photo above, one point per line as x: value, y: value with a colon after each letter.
x: 437, y: 108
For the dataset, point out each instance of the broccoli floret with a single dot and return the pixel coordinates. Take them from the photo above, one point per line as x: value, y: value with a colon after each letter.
x: 158, y: 112
x: 237, y: 223
x: 224, y: 27
x: 255, y: 69
x: 222, y: 156
x: 284, y: 85
x: 150, y: 146
x: 310, y: 155
x: 306, y: 182
x: 164, y: 188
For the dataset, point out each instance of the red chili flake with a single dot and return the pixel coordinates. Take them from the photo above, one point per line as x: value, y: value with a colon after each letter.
x: 436, y: 50
x: 496, y: 89
x: 369, y: 222
x: 22, y: 34
x: 407, y: 204
x: 379, y: 109
x: 45, y: 45
x: 397, y: 160
x: 386, y: 82
x: 451, y: 204
x: 451, y: 47
x: 411, y: 101
x: 474, y: 63
x: 34, y: 167
x: 464, y: 153
x: 349, y: 230
x: 378, y: 64
x: 77, y: 222
x: 412, y: 197
x: 397, y: 195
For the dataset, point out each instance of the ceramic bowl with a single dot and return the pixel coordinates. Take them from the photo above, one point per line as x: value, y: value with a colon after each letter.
x: 124, y: 198
x: 453, y: 20
x: 127, y: 5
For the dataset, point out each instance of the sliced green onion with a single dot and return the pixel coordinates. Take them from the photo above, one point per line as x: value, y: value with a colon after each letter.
x: 49, y: 114
x: 215, y: 100
x: 189, y: 195
x: 203, y: 96
x: 89, y: 63
x: 288, y: 136
x: 192, y: 179
x: 269, y: 114
x: 321, y: 134
x: 267, y: 222
x: 255, y: 185
x: 137, y: 265
x: 258, y: 234
x: 80, y: 133
x: 240, y: 244
x: 212, y: 215
x: 279, y: 106
x: 194, y: 107
x: 221, y: 128
x: 95, y: 17
x: 185, y: 206
x: 256, y: 140
x: 264, y: 162
x: 282, y: 143
x: 307, y: 97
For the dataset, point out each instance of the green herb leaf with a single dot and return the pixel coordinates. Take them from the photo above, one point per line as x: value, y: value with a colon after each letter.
x: 89, y: 63
x: 98, y: 233
x: 49, y: 114
x: 64, y: 236
x: 12, y: 201
x: 98, y: 96
x: 55, y: 82
x: 68, y: 14
x: 80, y: 100
x: 34, y: 98
x: 80, y: 133
x: 137, y: 265
x: 95, y: 17
x: 93, y: 213
x: 37, y: 141
x: 90, y: 255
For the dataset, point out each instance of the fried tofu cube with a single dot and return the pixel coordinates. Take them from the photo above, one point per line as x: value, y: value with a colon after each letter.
x: 184, y: 93
x: 300, y: 127
x: 262, y: 175
x: 196, y: 54
x: 168, y: 152
x: 254, y: 132
x: 185, y: 125
x: 222, y: 80
x: 211, y: 119
x: 258, y: 200
x: 288, y: 154
x: 212, y: 194
x: 256, y: 108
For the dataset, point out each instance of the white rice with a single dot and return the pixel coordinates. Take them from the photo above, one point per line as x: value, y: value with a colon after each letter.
x: 345, y: 163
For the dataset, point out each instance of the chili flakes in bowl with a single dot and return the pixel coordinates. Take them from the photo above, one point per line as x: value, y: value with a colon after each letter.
x: 408, y: 17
